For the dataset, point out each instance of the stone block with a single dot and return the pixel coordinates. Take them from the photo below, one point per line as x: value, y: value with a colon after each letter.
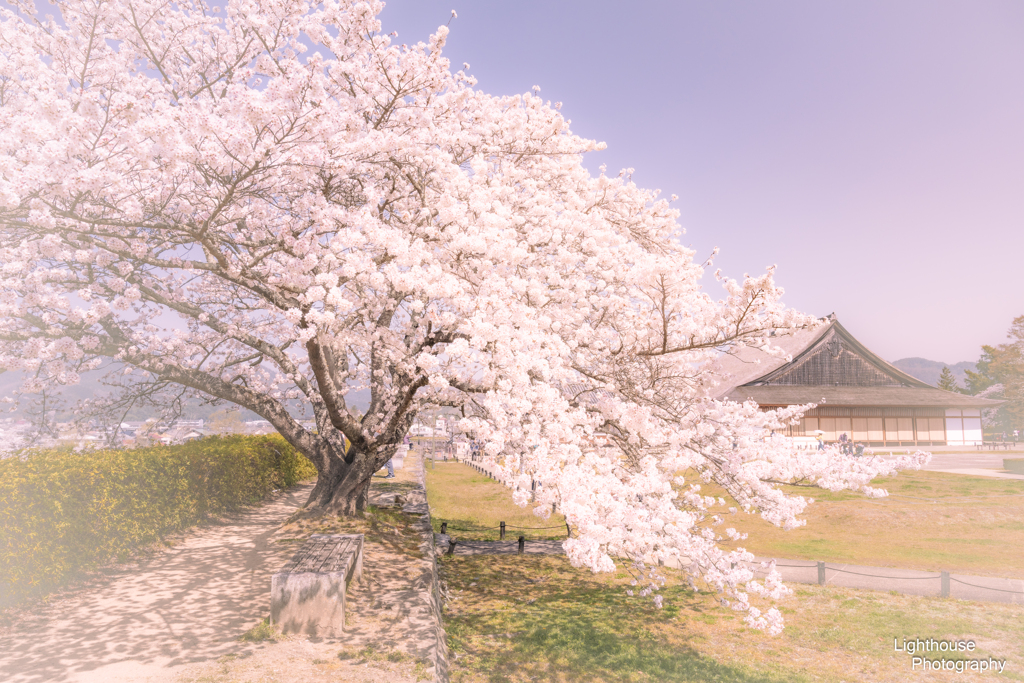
x: 307, y: 597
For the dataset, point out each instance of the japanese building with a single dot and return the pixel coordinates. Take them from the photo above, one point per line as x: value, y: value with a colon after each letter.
x: 856, y: 392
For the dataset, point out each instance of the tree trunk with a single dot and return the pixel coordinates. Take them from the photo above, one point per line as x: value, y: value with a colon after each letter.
x: 343, y: 484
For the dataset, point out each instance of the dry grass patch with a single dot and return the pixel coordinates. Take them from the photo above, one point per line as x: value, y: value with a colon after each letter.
x: 295, y: 660
x: 931, y: 521
x: 537, y: 618
x: 261, y: 632
x: 374, y: 655
x: 474, y: 506
x: 387, y: 527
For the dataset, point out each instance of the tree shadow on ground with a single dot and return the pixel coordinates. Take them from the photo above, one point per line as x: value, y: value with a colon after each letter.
x: 518, y: 619
x: 187, y: 604
x: 190, y: 604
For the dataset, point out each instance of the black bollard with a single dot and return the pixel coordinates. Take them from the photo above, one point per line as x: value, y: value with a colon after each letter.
x: 522, y: 544
x: 451, y: 547
x: 444, y: 527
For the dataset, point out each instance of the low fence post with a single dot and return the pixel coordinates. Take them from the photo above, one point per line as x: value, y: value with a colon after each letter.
x: 568, y: 531
x: 944, y: 590
x: 522, y: 544
x: 501, y: 534
x: 451, y: 547
x: 821, y: 573
x: 444, y: 527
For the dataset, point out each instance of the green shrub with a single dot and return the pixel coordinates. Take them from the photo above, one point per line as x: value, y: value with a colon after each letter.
x: 62, y: 512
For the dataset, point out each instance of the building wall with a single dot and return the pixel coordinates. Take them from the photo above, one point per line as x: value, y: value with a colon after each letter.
x: 894, y: 426
x: 963, y: 427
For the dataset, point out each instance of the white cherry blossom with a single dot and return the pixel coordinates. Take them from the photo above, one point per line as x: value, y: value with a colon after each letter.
x: 272, y: 201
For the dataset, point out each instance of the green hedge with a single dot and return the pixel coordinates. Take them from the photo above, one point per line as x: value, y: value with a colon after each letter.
x: 61, y: 511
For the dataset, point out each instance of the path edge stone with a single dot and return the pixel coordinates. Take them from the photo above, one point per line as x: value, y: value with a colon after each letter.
x: 441, y: 672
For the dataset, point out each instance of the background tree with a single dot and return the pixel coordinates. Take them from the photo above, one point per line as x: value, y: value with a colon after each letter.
x: 225, y: 421
x: 981, y: 378
x: 947, y: 381
x: 276, y: 203
x: 1001, y: 372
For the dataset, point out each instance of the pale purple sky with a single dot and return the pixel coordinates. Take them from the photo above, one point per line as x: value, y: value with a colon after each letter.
x: 874, y: 151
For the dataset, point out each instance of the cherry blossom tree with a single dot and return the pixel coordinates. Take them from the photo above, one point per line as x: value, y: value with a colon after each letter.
x: 278, y: 201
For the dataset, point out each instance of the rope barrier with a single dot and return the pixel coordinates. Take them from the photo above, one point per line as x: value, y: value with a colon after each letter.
x: 875, y: 576
x: 901, y: 578
x: 507, y: 526
x: 797, y: 566
x: 943, y: 501
x: 812, y: 566
x: 987, y: 588
x: 487, y: 544
x: 847, y: 571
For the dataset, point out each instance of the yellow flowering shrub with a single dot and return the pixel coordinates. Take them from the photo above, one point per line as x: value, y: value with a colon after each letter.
x: 62, y: 512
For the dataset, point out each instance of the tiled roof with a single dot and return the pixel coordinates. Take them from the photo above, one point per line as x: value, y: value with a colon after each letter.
x: 752, y: 374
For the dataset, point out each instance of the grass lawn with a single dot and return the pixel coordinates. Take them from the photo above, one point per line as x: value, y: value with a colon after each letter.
x: 474, y: 506
x: 930, y: 521
x: 519, y: 619
x: 511, y: 618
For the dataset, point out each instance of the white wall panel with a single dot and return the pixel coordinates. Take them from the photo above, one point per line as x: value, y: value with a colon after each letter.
x: 954, y: 431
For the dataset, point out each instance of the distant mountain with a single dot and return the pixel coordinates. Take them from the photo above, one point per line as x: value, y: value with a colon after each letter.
x: 929, y: 370
x: 194, y: 408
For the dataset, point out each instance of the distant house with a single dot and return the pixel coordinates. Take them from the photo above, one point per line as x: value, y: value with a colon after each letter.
x: 259, y: 427
x: 856, y: 392
x: 420, y: 429
x: 179, y: 435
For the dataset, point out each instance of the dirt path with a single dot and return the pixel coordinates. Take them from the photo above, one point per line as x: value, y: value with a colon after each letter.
x: 178, y: 614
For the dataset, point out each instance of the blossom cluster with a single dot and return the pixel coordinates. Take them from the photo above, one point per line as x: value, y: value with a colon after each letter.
x: 276, y: 202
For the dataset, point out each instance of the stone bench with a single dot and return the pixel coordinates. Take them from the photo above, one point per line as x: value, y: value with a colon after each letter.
x: 308, y: 596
